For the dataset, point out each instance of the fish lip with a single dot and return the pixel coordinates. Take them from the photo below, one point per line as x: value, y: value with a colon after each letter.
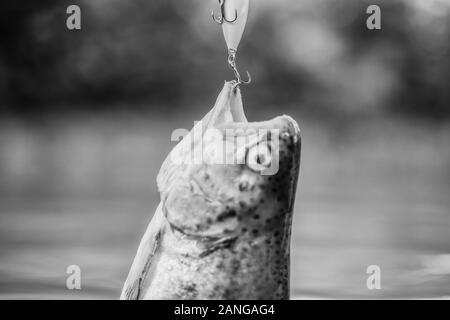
x: 287, y: 126
x: 292, y: 124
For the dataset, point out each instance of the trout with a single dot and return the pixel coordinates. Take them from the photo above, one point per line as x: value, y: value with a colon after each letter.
x: 222, y: 229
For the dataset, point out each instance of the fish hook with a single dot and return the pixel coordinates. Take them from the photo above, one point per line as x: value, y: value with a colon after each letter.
x: 232, y: 63
x: 222, y: 17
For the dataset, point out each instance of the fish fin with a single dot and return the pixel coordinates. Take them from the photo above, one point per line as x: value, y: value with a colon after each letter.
x: 138, y: 277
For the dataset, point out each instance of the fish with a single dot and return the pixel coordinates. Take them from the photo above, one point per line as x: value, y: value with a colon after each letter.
x: 222, y: 228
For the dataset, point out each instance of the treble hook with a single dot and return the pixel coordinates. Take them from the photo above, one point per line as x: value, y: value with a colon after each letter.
x: 222, y: 17
x: 232, y: 63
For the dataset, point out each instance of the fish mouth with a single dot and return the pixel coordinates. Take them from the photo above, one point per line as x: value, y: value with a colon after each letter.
x: 274, y: 138
x: 229, y: 113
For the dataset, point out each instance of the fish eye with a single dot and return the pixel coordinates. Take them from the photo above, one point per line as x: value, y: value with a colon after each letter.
x: 259, y: 157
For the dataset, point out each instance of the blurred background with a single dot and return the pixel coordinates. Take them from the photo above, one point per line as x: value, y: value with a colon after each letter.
x: 86, y: 118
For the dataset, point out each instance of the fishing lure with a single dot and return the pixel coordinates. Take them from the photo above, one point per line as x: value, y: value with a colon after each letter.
x: 233, y: 29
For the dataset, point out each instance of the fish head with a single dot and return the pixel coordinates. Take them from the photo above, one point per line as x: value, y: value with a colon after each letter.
x: 230, y: 176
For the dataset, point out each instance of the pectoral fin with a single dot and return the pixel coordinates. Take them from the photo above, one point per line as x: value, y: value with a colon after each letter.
x: 139, y: 277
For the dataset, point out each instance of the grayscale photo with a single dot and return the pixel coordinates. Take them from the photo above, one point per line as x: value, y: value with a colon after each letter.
x: 225, y: 150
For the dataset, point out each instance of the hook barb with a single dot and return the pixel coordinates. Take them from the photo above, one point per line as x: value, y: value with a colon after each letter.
x: 218, y: 20
x: 249, y: 79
